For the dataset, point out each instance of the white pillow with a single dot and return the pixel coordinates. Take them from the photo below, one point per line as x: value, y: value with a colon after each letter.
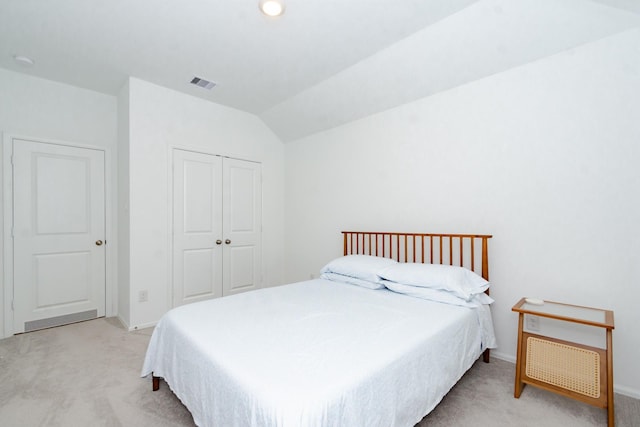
x: 351, y: 280
x: 460, y: 281
x: 363, y: 267
x: 438, y: 295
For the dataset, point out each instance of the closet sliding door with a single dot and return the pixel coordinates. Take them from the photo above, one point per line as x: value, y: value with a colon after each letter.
x: 217, y: 220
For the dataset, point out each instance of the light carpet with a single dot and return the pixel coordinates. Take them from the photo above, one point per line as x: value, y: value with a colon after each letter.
x: 87, y: 374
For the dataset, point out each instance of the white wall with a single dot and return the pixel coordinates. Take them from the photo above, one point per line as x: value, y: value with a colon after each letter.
x: 544, y: 157
x: 38, y: 108
x: 160, y: 119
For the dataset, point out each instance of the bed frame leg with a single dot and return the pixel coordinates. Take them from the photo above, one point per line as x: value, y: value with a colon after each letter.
x: 156, y: 382
x: 486, y: 355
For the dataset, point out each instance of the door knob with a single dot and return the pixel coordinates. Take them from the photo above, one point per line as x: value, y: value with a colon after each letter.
x: 218, y: 242
x: 98, y: 242
x: 227, y: 241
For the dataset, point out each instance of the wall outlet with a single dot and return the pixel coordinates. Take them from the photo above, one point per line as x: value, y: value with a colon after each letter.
x: 533, y: 323
x: 312, y: 276
x: 143, y: 296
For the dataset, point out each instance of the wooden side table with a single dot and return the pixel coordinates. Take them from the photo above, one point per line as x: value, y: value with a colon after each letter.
x: 575, y: 370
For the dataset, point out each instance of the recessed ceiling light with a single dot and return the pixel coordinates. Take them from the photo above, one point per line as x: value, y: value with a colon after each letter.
x: 272, y: 7
x: 24, y: 61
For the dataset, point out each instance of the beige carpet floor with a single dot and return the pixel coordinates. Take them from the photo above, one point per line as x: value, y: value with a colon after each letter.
x: 87, y: 374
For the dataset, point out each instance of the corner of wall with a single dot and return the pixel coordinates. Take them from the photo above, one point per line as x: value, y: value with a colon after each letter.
x: 123, y: 260
x: 2, y: 332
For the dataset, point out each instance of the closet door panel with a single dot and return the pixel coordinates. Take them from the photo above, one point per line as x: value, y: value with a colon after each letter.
x: 242, y: 224
x: 197, y: 226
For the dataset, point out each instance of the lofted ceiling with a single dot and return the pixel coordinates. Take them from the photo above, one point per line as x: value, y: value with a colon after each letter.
x: 322, y: 64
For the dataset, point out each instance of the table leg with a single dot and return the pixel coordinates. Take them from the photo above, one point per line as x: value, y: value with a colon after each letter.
x: 519, y: 385
x: 610, y: 411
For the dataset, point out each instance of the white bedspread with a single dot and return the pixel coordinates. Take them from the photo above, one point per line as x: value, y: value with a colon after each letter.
x: 315, y: 353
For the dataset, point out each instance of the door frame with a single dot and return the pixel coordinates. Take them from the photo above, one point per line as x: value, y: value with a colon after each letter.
x: 6, y: 284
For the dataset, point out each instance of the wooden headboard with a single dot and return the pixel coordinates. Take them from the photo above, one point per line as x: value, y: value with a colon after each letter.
x: 464, y: 250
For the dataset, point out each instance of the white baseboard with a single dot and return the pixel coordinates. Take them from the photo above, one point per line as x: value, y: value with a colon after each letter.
x: 136, y: 327
x: 626, y: 391
x: 503, y: 356
x: 121, y: 320
x: 142, y: 326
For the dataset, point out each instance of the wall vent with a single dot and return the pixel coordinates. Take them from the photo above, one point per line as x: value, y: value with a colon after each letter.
x: 202, y: 83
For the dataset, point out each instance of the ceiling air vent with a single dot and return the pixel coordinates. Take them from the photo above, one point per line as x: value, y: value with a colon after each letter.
x: 203, y: 83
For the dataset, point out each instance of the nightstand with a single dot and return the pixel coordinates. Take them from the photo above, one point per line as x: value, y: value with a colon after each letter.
x: 575, y: 370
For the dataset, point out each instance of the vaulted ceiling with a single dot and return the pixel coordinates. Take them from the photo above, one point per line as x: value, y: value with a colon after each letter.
x: 322, y: 64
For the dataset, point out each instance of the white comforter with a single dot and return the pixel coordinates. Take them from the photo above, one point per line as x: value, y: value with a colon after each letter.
x: 315, y: 353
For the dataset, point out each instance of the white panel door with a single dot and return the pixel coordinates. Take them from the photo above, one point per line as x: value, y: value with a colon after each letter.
x: 242, y: 223
x: 59, y: 234
x: 197, y: 227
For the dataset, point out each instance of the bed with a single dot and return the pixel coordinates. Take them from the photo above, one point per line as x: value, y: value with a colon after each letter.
x: 328, y: 351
